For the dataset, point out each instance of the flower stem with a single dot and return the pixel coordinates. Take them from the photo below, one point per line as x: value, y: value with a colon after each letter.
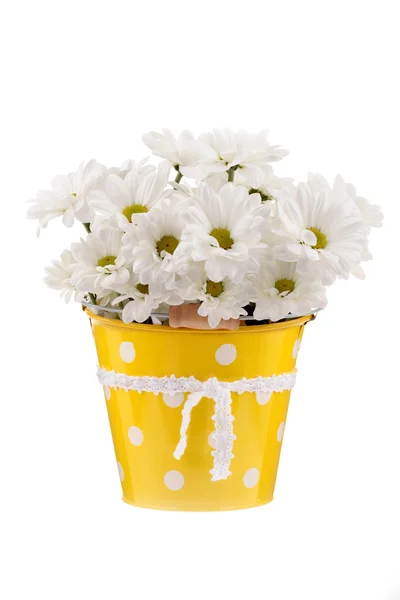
x: 92, y: 298
x: 87, y: 227
x: 231, y: 174
x: 178, y: 176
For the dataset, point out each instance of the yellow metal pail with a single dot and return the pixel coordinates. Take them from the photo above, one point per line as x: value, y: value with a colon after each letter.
x: 146, y: 427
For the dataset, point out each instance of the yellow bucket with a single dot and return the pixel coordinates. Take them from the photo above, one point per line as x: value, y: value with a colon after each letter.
x: 146, y: 427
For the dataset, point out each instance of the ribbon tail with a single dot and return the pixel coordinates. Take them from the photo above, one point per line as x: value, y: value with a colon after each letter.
x: 192, y: 400
x: 224, y: 436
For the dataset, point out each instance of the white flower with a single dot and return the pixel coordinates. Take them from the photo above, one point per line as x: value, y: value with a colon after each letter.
x: 138, y: 309
x: 128, y: 199
x: 264, y: 182
x: 139, y: 300
x: 182, y: 192
x: 105, y: 297
x: 371, y: 213
x: 238, y: 235
x: 320, y: 231
x: 184, y: 151
x: 101, y: 222
x: 154, y: 246
x: 100, y: 262
x: 59, y: 273
x: 279, y: 290
x: 224, y: 231
x: 219, y: 299
x: 128, y: 165
x: 103, y: 300
x: 70, y: 196
x: 242, y: 150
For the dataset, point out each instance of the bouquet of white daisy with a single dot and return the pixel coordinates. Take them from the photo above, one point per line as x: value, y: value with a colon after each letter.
x: 210, y: 225
x: 205, y: 238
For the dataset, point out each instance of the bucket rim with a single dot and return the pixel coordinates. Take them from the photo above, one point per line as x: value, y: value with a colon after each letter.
x: 174, y: 330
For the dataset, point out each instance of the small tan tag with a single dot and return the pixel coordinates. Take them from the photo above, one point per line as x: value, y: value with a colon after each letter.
x: 186, y: 315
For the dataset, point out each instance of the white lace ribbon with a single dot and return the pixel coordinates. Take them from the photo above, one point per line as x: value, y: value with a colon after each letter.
x: 219, y: 391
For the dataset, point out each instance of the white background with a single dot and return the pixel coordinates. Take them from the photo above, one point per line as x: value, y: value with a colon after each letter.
x: 83, y: 79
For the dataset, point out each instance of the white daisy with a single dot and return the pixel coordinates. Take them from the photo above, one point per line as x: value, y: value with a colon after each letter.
x: 70, y: 196
x: 127, y: 199
x: 102, y: 222
x: 279, y: 290
x: 100, y: 262
x: 371, y: 213
x: 219, y: 299
x: 140, y: 166
x: 242, y: 150
x: 264, y: 182
x: 154, y: 246
x: 181, y: 193
x: 105, y: 297
x: 138, y: 308
x: 182, y: 153
x: 138, y: 300
x: 59, y: 273
x: 224, y: 231
x: 320, y: 231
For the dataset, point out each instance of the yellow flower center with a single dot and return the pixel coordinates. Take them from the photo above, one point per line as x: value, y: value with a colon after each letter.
x: 321, y: 238
x: 142, y: 288
x: 284, y: 285
x: 214, y: 288
x: 169, y: 243
x: 264, y: 197
x: 107, y: 260
x: 223, y: 237
x: 134, y: 209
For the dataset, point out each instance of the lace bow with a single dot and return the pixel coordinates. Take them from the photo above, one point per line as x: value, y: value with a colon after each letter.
x: 219, y: 391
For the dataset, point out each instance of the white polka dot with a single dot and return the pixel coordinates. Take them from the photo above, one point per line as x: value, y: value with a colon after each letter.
x: 226, y: 354
x: 135, y: 435
x: 251, y: 478
x: 281, y: 431
x: 120, y: 471
x: 174, y: 480
x: 127, y: 352
x: 263, y: 397
x: 296, y: 347
x: 211, y: 440
x: 173, y: 400
x: 107, y: 392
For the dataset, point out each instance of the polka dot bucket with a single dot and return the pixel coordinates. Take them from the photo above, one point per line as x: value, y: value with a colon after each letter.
x: 197, y: 416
